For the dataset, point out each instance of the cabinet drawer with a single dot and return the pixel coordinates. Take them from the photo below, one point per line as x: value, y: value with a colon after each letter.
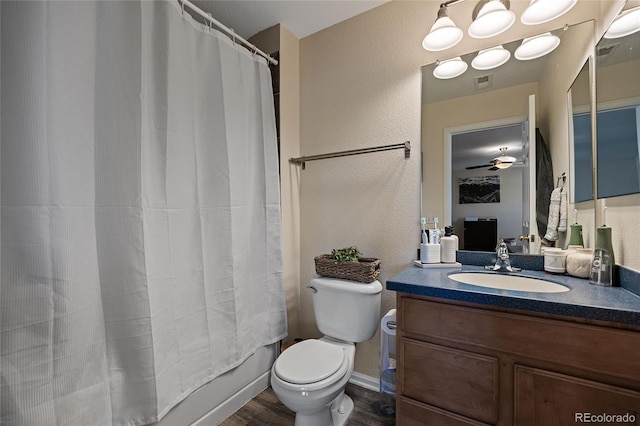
x: 599, y: 349
x: 417, y: 414
x: 457, y: 381
x: 547, y: 398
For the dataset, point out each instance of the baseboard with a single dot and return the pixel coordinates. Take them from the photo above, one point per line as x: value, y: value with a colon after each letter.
x: 365, y: 381
x: 235, y: 402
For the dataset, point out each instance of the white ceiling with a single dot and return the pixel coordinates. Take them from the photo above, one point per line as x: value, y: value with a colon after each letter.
x: 301, y: 17
x: 479, y: 147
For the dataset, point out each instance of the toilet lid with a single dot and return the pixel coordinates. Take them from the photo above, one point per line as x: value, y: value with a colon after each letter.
x: 309, y: 361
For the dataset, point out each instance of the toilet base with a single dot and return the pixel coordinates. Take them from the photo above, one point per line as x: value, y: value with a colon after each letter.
x: 336, y: 414
x: 341, y: 409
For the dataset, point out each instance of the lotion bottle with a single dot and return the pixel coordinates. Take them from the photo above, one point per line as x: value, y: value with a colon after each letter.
x: 448, y: 246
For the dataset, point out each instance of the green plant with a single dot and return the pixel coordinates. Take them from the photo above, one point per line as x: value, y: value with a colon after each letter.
x: 348, y: 254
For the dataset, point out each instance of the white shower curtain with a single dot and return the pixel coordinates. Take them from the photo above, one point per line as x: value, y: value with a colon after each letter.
x: 140, y: 221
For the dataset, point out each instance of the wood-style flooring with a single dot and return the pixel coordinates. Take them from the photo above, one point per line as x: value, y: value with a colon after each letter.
x: 266, y: 410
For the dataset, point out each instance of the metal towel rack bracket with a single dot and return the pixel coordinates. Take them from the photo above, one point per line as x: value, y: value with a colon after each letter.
x: 300, y: 161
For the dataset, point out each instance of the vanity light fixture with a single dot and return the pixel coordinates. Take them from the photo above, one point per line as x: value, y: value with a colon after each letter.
x: 490, y: 18
x: 450, y: 68
x: 541, y: 11
x: 444, y: 33
x: 490, y: 58
x: 537, y: 46
x: 627, y: 22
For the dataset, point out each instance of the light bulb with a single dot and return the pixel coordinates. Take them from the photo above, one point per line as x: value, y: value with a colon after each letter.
x: 444, y: 33
x: 490, y: 58
x: 450, y: 68
x: 493, y: 19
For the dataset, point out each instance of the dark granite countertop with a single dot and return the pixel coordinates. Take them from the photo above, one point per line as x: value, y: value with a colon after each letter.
x: 584, y: 300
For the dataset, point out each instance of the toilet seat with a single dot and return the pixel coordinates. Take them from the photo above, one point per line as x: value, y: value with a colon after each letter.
x: 310, y: 361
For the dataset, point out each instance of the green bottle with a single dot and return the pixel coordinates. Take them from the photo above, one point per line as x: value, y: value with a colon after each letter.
x: 576, y: 236
x: 576, y: 231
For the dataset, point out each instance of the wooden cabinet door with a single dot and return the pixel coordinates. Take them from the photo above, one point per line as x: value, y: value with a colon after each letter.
x: 544, y: 398
x: 417, y: 414
x: 457, y: 381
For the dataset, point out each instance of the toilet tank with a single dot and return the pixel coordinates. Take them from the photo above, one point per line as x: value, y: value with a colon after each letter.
x: 346, y: 310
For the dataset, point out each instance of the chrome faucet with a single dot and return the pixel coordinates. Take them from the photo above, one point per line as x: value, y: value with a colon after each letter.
x: 502, y: 261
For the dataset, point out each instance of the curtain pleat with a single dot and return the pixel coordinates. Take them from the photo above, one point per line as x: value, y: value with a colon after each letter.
x: 140, y: 225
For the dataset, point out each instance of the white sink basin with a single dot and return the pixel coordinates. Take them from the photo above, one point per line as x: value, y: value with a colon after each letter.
x: 508, y: 282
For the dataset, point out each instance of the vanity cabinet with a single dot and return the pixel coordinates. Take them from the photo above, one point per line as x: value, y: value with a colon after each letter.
x: 461, y: 364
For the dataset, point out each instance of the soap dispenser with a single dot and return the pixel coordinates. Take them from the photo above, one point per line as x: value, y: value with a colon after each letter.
x: 603, y: 263
x: 448, y: 246
x: 575, y: 240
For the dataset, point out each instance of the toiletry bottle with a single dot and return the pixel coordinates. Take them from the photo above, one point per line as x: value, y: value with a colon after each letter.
x: 448, y: 246
x: 603, y: 264
x: 576, y: 235
x: 576, y: 232
x: 424, y: 251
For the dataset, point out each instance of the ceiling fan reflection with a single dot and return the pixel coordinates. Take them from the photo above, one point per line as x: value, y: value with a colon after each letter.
x: 503, y: 161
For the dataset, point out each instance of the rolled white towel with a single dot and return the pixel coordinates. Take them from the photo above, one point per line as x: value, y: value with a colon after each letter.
x: 554, y: 215
x: 562, y: 223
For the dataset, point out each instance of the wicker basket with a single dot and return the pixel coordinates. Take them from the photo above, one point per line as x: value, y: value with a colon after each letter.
x: 365, y: 270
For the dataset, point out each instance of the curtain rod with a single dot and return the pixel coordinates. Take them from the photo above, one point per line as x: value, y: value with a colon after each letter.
x: 227, y: 30
x: 302, y: 160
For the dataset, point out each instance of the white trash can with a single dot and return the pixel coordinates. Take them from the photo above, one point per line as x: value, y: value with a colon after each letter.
x: 388, y: 363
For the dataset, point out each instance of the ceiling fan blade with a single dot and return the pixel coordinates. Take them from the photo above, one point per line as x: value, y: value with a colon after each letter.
x: 494, y: 168
x: 478, y: 167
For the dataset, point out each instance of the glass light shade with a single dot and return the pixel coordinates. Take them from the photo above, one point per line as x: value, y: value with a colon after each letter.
x: 493, y: 19
x: 503, y: 165
x: 443, y: 35
x: 628, y: 22
x: 541, y: 11
x: 537, y: 46
x: 450, y: 68
x: 490, y: 58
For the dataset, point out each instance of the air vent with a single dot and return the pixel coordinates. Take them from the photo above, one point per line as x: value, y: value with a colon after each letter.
x: 606, y: 50
x: 483, y: 81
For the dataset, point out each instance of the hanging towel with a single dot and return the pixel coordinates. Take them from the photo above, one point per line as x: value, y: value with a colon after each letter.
x: 544, y: 183
x: 554, y: 217
x: 562, y: 223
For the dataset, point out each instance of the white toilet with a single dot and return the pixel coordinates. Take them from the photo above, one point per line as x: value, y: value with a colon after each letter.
x: 310, y: 377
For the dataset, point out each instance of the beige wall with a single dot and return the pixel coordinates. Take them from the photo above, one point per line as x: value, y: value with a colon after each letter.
x: 271, y: 40
x: 289, y: 175
x: 360, y: 87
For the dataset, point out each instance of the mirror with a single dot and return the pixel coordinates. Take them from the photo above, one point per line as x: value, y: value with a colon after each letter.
x: 618, y: 116
x: 481, y: 104
x: 618, y: 139
x: 580, y: 137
